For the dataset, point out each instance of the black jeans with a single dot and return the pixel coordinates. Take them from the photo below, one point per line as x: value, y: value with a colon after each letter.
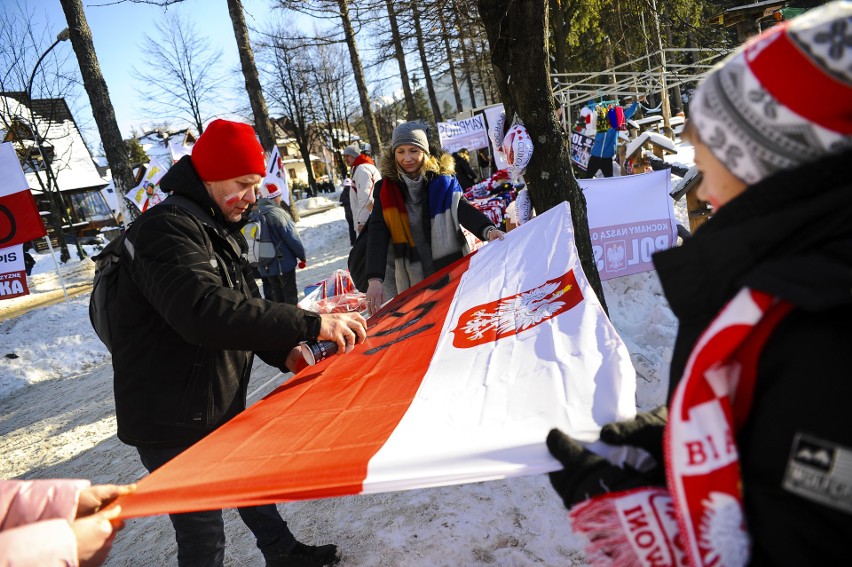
x: 350, y: 220
x: 281, y: 288
x: 201, y: 535
x: 598, y: 163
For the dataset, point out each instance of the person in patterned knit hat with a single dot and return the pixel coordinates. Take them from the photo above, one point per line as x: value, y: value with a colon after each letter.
x: 752, y: 457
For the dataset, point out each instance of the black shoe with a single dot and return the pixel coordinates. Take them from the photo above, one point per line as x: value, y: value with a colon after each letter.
x: 305, y: 556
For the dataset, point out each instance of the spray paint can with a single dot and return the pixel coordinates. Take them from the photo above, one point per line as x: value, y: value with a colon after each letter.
x: 315, y: 351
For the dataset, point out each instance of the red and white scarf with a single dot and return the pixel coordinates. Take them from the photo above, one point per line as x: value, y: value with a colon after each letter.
x: 699, y: 520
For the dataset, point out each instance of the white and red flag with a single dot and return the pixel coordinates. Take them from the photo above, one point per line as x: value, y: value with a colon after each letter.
x: 276, y: 176
x: 19, y: 217
x: 460, y: 380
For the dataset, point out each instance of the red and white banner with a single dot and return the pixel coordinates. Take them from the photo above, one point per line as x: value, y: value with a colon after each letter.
x: 630, y: 218
x: 460, y: 380
x: 276, y: 176
x: 147, y: 193
x: 13, y: 274
x: 19, y: 218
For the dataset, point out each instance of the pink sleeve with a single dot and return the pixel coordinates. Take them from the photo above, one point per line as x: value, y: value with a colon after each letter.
x: 26, y: 501
x: 50, y: 543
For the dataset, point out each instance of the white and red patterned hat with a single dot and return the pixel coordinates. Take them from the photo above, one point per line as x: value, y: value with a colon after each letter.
x: 782, y: 100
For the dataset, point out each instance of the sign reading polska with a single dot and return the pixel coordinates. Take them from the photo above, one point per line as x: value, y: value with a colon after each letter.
x: 630, y: 218
x: 13, y: 274
x: 625, y: 249
x: 469, y: 133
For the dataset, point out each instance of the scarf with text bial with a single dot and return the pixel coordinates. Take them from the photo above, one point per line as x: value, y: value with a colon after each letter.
x: 699, y: 520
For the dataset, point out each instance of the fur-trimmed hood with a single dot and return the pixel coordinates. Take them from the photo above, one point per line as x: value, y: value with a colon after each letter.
x: 442, y: 164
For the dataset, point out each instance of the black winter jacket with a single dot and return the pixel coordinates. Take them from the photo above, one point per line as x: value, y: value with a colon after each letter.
x: 791, y: 236
x: 188, y: 324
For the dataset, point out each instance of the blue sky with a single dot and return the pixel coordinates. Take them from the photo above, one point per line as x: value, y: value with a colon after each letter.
x: 119, y: 29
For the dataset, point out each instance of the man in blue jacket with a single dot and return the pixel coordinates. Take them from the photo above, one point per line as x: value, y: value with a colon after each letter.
x: 603, y: 149
x: 281, y: 248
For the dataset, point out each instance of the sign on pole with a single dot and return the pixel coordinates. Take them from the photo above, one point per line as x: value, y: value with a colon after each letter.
x: 13, y: 274
x: 468, y: 133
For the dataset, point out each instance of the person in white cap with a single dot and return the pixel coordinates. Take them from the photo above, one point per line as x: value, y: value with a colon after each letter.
x: 281, y: 247
x: 364, y: 176
x: 752, y: 458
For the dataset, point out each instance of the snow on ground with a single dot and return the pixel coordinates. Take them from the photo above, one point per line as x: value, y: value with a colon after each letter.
x: 57, y: 420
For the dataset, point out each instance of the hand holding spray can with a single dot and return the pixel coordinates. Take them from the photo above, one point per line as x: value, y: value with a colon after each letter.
x: 315, y: 351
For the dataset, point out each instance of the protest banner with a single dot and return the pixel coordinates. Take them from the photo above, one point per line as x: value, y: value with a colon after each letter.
x: 467, y: 133
x: 494, y: 115
x: 13, y: 274
x: 147, y: 193
x: 581, y: 149
x: 630, y: 218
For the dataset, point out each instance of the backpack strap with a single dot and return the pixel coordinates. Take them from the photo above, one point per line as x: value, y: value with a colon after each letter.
x: 203, y: 217
x: 191, y: 207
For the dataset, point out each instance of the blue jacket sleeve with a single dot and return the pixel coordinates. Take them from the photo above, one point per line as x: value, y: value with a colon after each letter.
x: 289, y: 237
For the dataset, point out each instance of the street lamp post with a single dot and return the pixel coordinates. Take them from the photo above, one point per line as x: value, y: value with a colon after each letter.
x: 61, y: 36
x: 51, y: 177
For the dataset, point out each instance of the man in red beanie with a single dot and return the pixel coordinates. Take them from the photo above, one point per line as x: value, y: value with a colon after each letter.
x: 188, y: 323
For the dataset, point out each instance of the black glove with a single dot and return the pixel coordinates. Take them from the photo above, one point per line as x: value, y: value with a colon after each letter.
x: 586, y: 474
x: 644, y: 431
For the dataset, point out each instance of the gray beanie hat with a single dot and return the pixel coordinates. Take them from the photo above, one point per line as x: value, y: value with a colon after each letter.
x: 413, y: 133
x: 352, y: 151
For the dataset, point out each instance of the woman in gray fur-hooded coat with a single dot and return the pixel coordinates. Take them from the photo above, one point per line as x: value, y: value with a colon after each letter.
x: 414, y: 229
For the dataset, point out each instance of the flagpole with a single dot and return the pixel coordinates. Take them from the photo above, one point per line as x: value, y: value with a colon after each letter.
x: 58, y: 271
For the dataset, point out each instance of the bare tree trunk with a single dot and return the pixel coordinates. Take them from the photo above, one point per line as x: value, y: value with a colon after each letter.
x: 427, y: 75
x: 468, y: 66
x: 559, y: 25
x: 517, y: 33
x: 399, y: 52
x: 262, y: 124
x: 305, y: 150
x: 483, y: 80
x: 609, y: 57
x: 96, y: 88
x: 445, y: 34
x: 358, y: 72
x: 676, y: 98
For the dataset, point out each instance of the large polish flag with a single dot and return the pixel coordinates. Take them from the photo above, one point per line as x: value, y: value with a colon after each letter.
x: 460, y: 379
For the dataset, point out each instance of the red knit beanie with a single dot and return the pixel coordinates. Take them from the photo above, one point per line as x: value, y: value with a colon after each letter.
x: 227, y: 150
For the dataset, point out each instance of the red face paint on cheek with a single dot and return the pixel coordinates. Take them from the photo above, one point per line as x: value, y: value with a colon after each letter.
x: 231, y: 199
